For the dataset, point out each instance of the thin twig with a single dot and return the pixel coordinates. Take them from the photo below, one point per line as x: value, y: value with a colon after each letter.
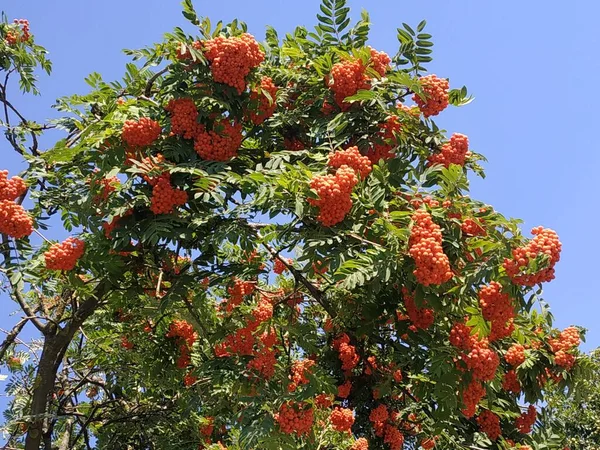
x: 152, y: 79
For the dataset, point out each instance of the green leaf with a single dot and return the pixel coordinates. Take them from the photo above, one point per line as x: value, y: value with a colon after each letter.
x: 189, y: 12
x: 325, y: 11
x: 408, y: 28
x: 343, y: 25
x: 60, y: 153
x: 362, y: 94
x: 403, y: 36
x: 326, y: 28
x: 424, y: 44
x: 324, y: 19
x: 341, y: 14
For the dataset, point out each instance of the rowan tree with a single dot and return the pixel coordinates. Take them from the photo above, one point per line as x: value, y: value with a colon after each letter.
x: 270, y: 245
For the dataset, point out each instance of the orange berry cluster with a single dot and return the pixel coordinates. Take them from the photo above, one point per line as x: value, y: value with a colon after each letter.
x: 14, y: 220
x: 515, y: 355
x: 397, y: 375
x: 11, y: 189
x: 165, y: 197
x: 346, y: 352
x: 385, y: 141
x: 241, y: 343
x: 472, y: 227
x: 454, y: 152
x: 220, y: 144
x: 343, y: 390
x: 379, y: 414
x: 460, y: 336
x: 371, y: 365
x: 347, y: 78
x: 417, y: 201
x: 189, y: 379
x: 126, y: 343
x: 342, y: 419
x: 324, y: 401
x: 380, y: 61
x: 298, y: 373
x: 511, y: 383
x: 140, y: 133
x: 360, y: 444
x: 64, y: 256
x: 352, y: 158
x: 436, y: 93
x: 471, y: 397
x: 432, y: 265
x: 183, y: 117
x: 279, y: 267
x: 564, y: 359
x: 420, y: 317
x: 393, y: 437
x: 263, y: 106
x: 269, y: 338
x: 207, y: 428
x: 237, y: 292
x: 501, y: 330
x: 232, y: 59
x: 545, y: 242
x: 184, y: 359
x: 262, y: 313
x: 295, y: 418
x: 264, y: 363
x: 184, y: 332
x: 489, y: 423
x: 525, y: 421
x: 567, y: 341
x: 482, y: 361
x: 334, y: 193
x: 498, y: 308
x: 12, y: 37
x: 106, y: 187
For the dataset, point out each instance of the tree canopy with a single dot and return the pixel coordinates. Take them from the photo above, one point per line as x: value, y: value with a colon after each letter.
x: 271, y: 246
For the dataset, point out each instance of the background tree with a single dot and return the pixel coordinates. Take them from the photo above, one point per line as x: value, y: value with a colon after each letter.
x: 579, y: 415
x: 271, y: 249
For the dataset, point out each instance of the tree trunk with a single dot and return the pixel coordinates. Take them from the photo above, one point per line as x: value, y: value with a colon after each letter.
x: 54, y: 349
x: 56, y: 343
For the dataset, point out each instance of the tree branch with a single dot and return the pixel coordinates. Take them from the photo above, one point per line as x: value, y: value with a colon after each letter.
x: 152, y: 79
x: 11, y: 336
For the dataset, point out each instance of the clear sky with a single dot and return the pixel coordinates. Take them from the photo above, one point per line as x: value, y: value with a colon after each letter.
x: 531, y: 65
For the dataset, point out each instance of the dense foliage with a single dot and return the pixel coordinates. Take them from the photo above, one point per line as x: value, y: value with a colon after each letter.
x: 271, y: 246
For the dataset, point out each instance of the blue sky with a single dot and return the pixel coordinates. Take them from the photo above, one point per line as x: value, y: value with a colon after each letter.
x: 532, y: 69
